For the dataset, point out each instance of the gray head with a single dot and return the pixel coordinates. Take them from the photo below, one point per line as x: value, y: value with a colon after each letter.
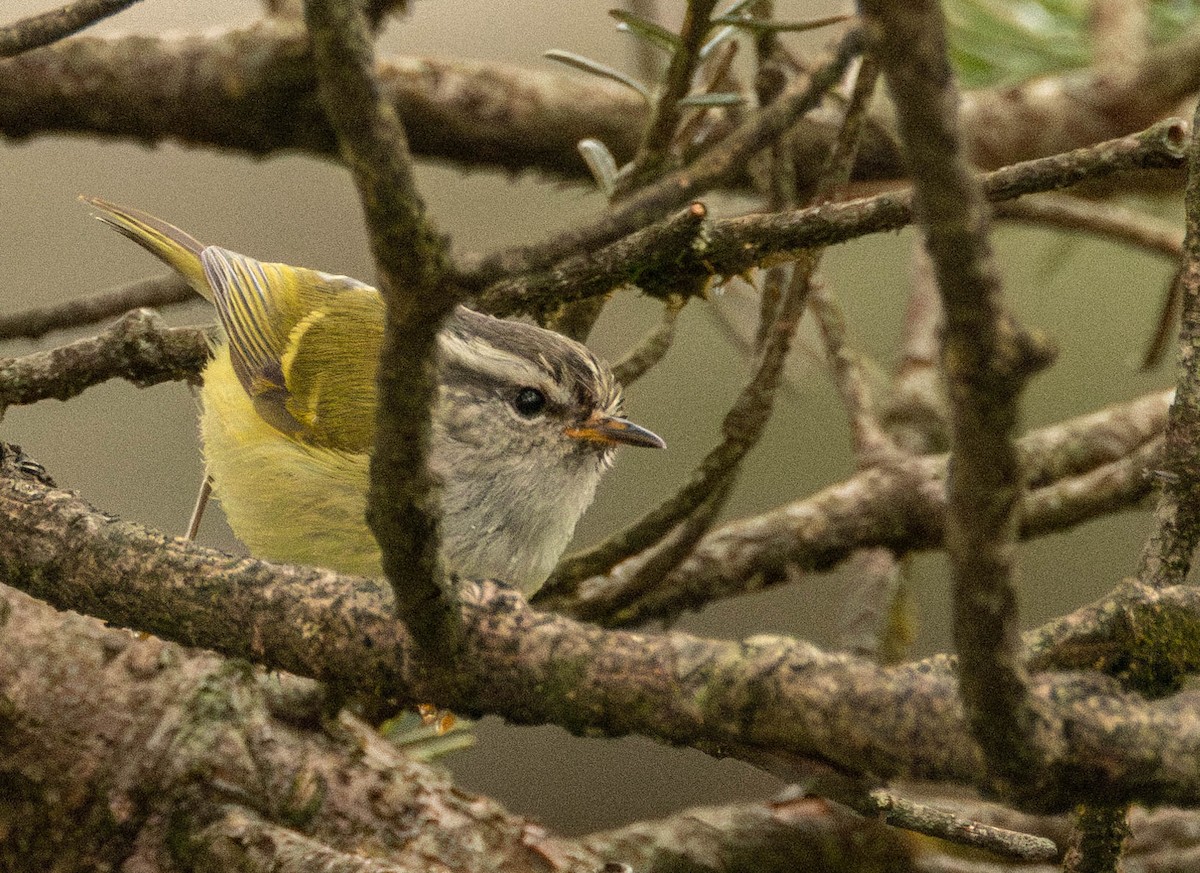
x: 526, y: 423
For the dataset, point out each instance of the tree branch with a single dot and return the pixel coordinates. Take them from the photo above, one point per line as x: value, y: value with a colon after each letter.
x: 49, y: 27
x: 762, y: 694
x: 402, y: 507
x: 902, y: 507
x: 707, y: 171
x: 1167, y: 556
x: 139, y: 348
x: 684, y: 251
x: 165, y: 290
x: 987, y: 357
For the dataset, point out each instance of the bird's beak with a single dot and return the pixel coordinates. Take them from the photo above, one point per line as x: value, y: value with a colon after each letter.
x: 611, y: 431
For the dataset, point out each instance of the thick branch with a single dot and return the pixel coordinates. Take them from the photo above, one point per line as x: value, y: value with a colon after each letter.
x: 1167, y: 556
x: 121, y: 751
x: 152, y: 89
x: 765, y: 694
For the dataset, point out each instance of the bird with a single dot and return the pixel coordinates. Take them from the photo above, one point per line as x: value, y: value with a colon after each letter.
x: 524, y: 425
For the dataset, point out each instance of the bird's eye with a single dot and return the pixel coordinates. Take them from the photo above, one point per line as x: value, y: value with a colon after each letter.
x: 529, y: 402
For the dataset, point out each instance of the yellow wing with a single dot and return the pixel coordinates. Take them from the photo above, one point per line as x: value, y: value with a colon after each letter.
x: 303, y: 344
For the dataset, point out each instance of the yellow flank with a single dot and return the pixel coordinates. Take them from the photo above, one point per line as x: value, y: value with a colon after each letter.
x: 287, y: 501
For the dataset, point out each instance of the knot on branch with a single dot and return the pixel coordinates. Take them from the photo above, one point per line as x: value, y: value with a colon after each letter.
x: 1024, y: 352
x: 141, y: 334
x: 1016, y: 355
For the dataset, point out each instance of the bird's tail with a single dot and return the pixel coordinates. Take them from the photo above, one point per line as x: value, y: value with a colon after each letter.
x: 169, y: 244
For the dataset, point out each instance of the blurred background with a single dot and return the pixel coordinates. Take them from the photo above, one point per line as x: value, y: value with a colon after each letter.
x: 135, y: 453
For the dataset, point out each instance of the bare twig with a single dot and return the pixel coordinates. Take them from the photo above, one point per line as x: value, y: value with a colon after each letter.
x: 1105, y: 220
x: 741, y: 429
x: 1060, y: 505
x: 880, y: 620
x: 659, y: 133
x: 1164, y: 325
x: 166, y: 290
x: 139, y: 347
x: 732, y: 246
x: 1120, y: 225
x: 652, y: 347
x: 705, y: 172
x: 925, y: 819
x: 702, y: 497
x: 647, y: 567
x: 871, y: 443
x: 409, y: 255
x: 659, y: 258
x: 47, y: 27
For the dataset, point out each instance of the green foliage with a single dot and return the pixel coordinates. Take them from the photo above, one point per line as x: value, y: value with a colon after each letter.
x: 998, y: 41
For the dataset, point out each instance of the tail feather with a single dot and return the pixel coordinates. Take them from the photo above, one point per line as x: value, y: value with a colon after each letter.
x: 177, y: 249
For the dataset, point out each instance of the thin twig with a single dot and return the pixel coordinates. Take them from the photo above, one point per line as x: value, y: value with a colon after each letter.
x: 706, y: 171
x: 659, y: 134
x: 1120, y: 225
x: 1164, y: 325
x: 48, y: 27
x: 653, y: 157
x: 879, y: 616
x: 160, y: 291
x: 1105, y: 220
x: 652, y: 348
x: 647, y: 567
x: 924, y: 819
x: 409, y: 256
x: 1123, y: 483
x: 741, y: 429
x: 139, y: 347
x: 732, y: 246
x: 653, y: 257
x: 871, y: 443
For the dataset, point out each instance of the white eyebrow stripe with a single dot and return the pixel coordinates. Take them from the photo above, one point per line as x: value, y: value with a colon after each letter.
x: 476, y: 355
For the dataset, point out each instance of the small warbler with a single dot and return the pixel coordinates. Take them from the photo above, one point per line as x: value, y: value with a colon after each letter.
x: 524, y: 425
